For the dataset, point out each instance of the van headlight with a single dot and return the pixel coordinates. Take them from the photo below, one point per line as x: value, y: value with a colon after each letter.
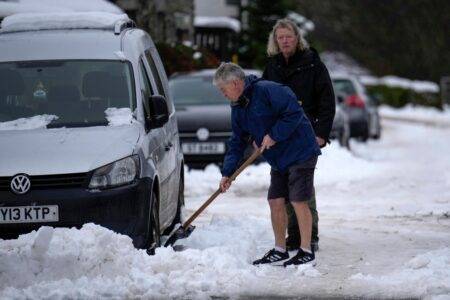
x: 117, y: 173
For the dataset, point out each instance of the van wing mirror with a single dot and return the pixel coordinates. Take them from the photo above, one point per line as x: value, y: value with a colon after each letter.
x: 159, y: 112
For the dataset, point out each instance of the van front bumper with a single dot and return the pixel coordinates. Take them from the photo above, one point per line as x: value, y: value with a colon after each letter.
x: 122, y: 209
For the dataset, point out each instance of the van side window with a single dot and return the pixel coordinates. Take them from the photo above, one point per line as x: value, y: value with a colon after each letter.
x: 155, y: 73
x: 159, y: 74
x: 146, y: 88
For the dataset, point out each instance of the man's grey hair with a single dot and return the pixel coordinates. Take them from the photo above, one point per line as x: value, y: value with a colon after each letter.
x: 272, y: 45
x: 227, y: 72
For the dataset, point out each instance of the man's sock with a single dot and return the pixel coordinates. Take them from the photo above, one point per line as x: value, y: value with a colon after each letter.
x: 280, y: 249
x: 306, y: 250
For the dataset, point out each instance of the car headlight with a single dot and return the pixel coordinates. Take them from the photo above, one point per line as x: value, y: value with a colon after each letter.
x: 117, y: 173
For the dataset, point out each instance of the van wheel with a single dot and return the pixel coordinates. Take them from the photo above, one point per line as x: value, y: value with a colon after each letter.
x: 154, y: 237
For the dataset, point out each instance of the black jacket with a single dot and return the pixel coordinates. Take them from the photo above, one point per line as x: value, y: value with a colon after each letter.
x: 308, y: 77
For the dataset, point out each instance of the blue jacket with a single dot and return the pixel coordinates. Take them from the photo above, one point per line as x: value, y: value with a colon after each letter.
x: 271, y: 108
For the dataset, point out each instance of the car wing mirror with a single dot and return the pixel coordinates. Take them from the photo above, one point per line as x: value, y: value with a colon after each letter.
x: 340, y: 98
x: 159, y: 112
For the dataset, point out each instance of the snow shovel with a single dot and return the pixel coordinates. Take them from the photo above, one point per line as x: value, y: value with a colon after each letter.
x: 186, y: 229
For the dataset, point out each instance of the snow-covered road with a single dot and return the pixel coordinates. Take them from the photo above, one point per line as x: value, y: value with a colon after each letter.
x: 384, y: 232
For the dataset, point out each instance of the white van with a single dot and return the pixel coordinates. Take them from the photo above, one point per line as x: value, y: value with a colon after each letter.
x: 87, y: 127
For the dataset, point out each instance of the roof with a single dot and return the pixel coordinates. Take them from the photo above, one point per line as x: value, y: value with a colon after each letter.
x: 217, y: 22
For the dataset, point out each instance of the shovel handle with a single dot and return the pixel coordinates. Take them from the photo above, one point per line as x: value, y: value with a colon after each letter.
x: 248, y: 162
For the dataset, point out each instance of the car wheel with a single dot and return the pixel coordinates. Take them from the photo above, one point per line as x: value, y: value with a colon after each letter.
x: 344, y: 138
x: 154, y: 237
x: 345, y: 134
x: 378, y: 133
x: 364, y: 134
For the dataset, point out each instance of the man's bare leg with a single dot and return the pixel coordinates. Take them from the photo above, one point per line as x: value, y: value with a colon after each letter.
x: 279, y: 221
x: 304, y: 219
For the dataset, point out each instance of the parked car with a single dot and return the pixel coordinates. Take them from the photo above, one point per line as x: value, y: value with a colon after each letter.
x: 204, y: 117
x: 341, y: 124
x: 80, y: 167
x: 360, y: 107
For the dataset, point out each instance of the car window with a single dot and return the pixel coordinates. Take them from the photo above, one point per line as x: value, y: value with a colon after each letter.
x: 344, y: 86
x: 197, y: 90
x: 78, y: 92
x: 155, y: 73
x: 146, y: 88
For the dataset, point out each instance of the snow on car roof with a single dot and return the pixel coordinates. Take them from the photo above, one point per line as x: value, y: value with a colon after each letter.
x: 46, y: 6
x: 61, y: 20
x: 217, y: 22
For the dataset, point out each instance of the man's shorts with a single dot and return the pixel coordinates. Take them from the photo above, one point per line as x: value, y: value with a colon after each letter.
x: 296, y: 184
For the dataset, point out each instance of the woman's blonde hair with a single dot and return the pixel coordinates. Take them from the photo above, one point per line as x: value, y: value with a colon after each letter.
x: 272, y: 45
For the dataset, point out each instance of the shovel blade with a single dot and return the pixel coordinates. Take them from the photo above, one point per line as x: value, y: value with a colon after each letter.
x: 180, y: 233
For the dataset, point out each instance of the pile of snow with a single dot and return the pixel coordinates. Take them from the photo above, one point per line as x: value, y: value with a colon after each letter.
x: 94, y: 262
x: 428, y: 273
x: 71, y: 20
x: 394, y: 81
x: 119, y: 116
x: 217, y: 22
x: 34, y: 122
x: 46, y: 6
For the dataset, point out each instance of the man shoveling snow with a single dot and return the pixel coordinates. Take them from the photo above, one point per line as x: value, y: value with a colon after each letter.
x: 270, y: 115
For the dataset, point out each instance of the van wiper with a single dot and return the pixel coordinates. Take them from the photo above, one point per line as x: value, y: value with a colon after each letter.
x: 40, y: 63
x: 76, y: 124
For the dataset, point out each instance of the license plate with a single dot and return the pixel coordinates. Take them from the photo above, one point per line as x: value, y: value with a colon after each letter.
x: 203, y: 148
x: 29, y: 214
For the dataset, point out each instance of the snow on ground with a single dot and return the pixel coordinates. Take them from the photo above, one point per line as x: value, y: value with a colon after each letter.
x: 34, y: 122
x: 384, y: 233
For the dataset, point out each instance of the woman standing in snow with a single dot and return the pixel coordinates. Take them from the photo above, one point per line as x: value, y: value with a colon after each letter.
x: 293, y: 63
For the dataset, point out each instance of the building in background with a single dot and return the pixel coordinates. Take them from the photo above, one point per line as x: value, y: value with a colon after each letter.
x: 171, y: 22
x: 217, y: 27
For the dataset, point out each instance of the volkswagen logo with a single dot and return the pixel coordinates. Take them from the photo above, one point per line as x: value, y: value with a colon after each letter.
x: 203, y: 134
x: 20, y: 184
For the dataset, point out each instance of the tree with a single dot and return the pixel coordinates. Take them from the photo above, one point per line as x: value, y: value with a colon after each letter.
x: 261, y: 16
x: 405, y: 38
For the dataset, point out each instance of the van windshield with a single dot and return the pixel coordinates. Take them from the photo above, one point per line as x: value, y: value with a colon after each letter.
x: 78, y: 92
